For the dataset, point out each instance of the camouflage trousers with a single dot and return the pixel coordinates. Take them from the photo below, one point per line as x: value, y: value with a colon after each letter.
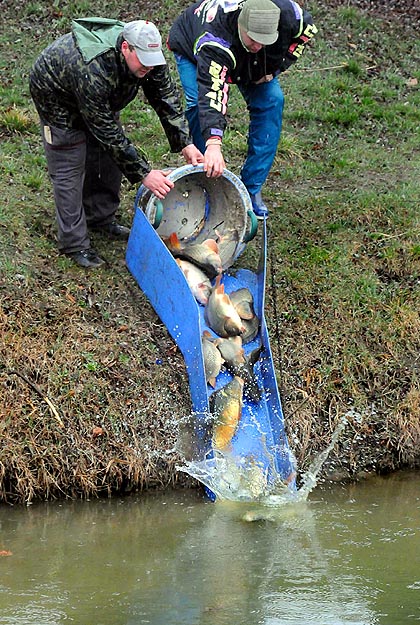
x: 86, y: 184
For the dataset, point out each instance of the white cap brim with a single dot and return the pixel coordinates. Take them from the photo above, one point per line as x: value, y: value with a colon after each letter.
x: 150, y: 59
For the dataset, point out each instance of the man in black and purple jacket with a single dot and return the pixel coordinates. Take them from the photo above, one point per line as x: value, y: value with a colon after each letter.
x: 247, y: 43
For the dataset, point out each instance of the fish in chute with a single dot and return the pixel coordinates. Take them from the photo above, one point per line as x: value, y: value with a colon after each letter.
x: 226, y: 409
x: 243, y: 303
x: 204, y: 255
x: 212, y: 357
x: 198, y: 282
x: 220, y: 314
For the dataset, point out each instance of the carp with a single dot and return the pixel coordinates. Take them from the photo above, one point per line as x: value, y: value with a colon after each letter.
x: 204, y: 255
x: 198, y: 282
x: 220, y: 314
x: 231, y: 349
x: 212, y: 357
x: 228, y: 243
x: 251, y: 329
x: 243, y: 303
x: 226, y: 408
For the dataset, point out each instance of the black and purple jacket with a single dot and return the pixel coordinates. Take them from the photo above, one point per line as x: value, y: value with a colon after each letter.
x: 207, y: 34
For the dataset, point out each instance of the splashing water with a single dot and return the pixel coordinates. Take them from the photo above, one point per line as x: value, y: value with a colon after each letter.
x: 242, y: 478
x: 309, y: 479
x: 235, y: 478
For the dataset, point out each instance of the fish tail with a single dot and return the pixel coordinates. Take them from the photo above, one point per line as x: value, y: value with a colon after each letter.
x: 174, y: 242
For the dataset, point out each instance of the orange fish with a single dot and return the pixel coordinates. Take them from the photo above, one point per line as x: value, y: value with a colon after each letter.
x: 204, y: 255
x: 226, y: 408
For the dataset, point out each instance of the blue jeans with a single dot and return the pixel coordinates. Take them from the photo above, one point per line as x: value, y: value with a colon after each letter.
x: 265, y: 105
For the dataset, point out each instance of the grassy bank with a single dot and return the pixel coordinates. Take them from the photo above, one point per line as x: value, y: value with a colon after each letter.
x: 91, y: 384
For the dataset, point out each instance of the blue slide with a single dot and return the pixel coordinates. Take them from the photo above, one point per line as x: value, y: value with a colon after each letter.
x: 259, y: 462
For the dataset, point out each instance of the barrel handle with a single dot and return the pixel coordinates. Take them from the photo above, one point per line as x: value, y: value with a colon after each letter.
x: 158, y: 214
x: 252, y: 228
x: 152, y: 202
x: 157, y: 205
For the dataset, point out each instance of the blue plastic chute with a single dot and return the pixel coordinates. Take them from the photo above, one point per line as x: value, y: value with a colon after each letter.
x: 259, y: 461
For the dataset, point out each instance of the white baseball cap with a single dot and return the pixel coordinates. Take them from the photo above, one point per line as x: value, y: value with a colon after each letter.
x: 147, y: 42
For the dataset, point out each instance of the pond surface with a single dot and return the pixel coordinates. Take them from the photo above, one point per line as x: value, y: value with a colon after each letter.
x: 350, y: 554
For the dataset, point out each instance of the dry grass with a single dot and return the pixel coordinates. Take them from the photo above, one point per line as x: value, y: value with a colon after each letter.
x: 78, y: 419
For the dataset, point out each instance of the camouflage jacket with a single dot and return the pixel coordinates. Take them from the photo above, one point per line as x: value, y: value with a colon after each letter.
x: 207, y: 34
x: 75, y: 90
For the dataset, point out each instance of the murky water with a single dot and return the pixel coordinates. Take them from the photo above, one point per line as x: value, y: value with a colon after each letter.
x: 350, y: 554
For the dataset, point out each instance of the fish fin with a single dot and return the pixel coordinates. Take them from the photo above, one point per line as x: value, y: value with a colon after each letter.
x: 245, y: 312
x: 212, y: 245
x: 207, y: 335
x: 212, y: 382
x: 224, y: 296
x: 218, y: 282
x: 203, y: 297
x: 254, y: 355
x: 174, y: 242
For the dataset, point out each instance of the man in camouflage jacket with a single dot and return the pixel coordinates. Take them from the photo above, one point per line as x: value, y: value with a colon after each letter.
x: 217, y: 43
x: 79, y: 85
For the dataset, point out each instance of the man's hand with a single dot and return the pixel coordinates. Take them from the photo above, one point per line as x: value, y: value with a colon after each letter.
x: 214, y: 163
x: 192, y: 155
x: 158, y: 183
x: 266, y: 78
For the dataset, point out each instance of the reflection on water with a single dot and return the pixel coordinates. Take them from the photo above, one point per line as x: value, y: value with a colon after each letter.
x: 349, y: 555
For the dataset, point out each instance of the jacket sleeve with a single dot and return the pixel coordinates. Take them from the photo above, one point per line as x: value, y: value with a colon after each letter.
x: 213, y: 77
x: 299, y: 42
x: 163, y: 96
x: 92, y: 93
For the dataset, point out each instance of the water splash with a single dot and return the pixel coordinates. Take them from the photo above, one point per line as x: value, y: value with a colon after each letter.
x: 243, y: 479
x: 235, y: 478
x: 309, y: 478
